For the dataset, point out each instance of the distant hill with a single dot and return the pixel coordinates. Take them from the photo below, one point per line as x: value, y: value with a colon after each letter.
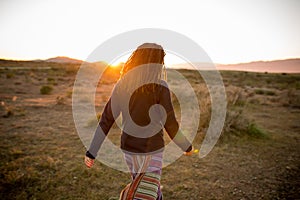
x: 276, y: 66
x: 57, y: 62
x: 63, y: 59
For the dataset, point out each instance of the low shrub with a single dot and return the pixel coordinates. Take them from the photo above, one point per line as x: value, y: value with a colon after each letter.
x: 270, y: 93
x: 254, y: 131
x: 9, y: 75
x: 51, y: 81
x: 46, y: 89
x: 264, y: 92
x: 259, y: 91
x: 237, y: 124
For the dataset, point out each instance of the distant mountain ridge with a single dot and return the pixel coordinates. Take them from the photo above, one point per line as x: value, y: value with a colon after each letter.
x: 63, y: 59
x: 274, y: 66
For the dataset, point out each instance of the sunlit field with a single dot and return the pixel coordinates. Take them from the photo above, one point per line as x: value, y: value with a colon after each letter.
x: 256, y: 157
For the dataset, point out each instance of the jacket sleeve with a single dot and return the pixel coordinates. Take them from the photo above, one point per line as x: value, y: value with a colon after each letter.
x: 106, y: 121
x: 171, y: 125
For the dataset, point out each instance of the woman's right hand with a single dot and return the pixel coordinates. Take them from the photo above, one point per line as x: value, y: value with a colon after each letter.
x: 89, y: 162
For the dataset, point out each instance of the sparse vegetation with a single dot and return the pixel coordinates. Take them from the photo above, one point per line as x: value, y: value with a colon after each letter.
x: 41, y: 154
x: 71, y: 69
x: 69, y: 93
x: 10, y: 75
x: 237, y: 124
x: 265, y: 92
x: 8, y: 112
x: 51, y: 81
x: 60, y: 100
x: 293, y: 97
x: 254, y: 131
x: 46, y: 89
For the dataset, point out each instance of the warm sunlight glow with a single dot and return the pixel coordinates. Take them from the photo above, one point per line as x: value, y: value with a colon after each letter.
x: 229, y: 31
x: 170, y: 59
x: 119, y: 60
x: 115, y: 65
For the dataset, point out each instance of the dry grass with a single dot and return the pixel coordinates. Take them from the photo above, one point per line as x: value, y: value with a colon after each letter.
x: 41, y: 154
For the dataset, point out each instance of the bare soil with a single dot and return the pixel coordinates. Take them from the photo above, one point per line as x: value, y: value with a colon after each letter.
x: 41, y: 154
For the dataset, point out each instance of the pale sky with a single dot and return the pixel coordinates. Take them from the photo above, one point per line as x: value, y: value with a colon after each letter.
x: 229, y: 31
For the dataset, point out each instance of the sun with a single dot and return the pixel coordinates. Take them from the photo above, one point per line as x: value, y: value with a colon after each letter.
x: 114, y: 65
x: 119, y: 61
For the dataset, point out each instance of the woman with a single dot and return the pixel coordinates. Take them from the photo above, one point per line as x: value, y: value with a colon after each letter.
x: 147, y: 110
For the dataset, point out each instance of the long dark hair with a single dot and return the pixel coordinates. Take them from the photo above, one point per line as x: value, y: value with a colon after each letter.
x: 147, y: 53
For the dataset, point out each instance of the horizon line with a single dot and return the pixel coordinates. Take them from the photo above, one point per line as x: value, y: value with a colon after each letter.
x: 216, y: 63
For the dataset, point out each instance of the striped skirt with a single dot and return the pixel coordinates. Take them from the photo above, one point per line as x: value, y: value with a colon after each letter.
x: 145, y: 173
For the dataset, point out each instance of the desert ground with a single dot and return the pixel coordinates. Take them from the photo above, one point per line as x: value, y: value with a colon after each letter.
x: 41, y: 157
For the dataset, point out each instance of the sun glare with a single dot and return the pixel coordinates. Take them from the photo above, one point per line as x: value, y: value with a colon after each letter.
x: 115, y: 65
x: 170, y: 59
x: 119, y: 60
